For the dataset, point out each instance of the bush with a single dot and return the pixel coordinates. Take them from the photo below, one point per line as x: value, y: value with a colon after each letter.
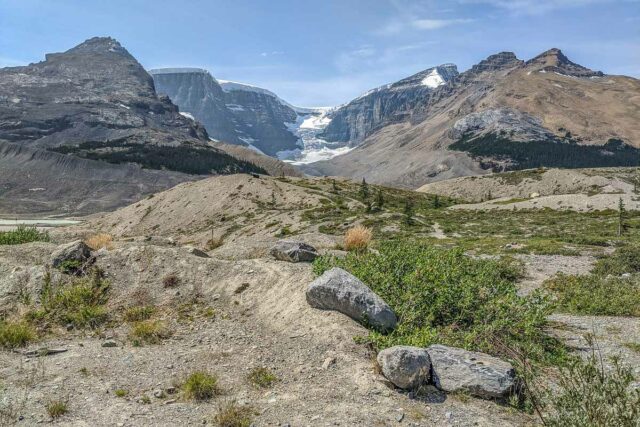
x: 262, y: 377
x: 23, y: 234
x: 596, y: 295
x: 149, y: 331
x: 201, y: 386
x: 99, y: 241
x: 121, y: 392
x: 56, y: 408
x: 138, y: 313
x: 623, y: 260
x: 15, y: 334
x: 357, y: 238
x: 170, y: 281
x: 79, y: 302
x: 230, y: 414
x: 442, y: 296
x: 591, y: 395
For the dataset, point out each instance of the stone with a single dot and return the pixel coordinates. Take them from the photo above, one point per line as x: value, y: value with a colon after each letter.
x: 293, y: 251
x: 328, y: 362
x: 74, y: 251
x: 341, y: 291
x: 197, y: 252
x: 406, y: 367
x: 109, y: 343
x: 456, y: 369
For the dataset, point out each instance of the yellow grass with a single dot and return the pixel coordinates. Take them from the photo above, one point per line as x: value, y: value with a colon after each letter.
x: 99, y: 241
x: 357, y: 238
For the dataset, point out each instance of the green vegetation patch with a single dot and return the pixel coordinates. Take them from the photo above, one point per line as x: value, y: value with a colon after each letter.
x: 443, y: 296
x: 15, y: 334
x: 201, y: 385
x: 23, y: 234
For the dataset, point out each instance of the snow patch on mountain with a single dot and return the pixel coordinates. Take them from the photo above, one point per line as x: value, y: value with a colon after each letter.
x: 433, y: 79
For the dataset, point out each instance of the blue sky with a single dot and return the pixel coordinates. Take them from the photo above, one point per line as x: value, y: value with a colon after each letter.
x: 315, y: 53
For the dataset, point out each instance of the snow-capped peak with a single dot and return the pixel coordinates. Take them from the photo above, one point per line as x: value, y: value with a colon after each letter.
x: 433, y: 79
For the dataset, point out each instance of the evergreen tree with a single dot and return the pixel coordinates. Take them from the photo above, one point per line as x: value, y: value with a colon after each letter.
x: 408, y: 211
x: 436, y: 202
x: 379, y: 199
x: 367, y: 206
x: 622, y: 226
x: 334, y: 186
x: 364, y: 190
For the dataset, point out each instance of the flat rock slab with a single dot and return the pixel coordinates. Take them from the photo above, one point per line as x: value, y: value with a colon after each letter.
x: 406, y: 367
x: 456, y: 369
x: 293, y: 251
x: 341, y: 291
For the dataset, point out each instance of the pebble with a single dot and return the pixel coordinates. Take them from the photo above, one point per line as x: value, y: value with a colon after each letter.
x: 328, y: 362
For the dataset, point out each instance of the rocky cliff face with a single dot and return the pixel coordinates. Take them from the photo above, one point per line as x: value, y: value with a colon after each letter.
x: 231, y: 112
x: 404, y: 100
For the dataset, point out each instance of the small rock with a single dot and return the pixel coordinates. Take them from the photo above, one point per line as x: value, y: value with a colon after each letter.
x: 196, y: 252
x: 400, y: 417
x: 456, y: 369
x: 328, y: 362
x: 406, y: 367
x: 293, y: 251
x: 74, y: 251
x: 341, y: 291
x: 158, y: 393
x: 109, y: 343
x: 171, y: 390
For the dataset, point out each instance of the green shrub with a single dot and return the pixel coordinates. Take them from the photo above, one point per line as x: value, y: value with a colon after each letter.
x: 70, y: 266
x: 23, y: 234
x: 443, y: 296
x: 15, y: 334
x: 623, y: 260
x: 79, y: 302
x: 591, y: 395
x: 200, y: 386
x: 596, y: 295
x: 138, y: 313
x: 121, y: 392
x: 149, y: 331
x: 262, y: 377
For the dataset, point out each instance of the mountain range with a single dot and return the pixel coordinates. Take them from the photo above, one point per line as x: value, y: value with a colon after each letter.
x: 90, y: 129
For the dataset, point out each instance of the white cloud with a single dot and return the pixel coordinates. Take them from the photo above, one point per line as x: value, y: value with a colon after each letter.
x: 535, y: 7
x: 272, y: 53
x: 435, y: 24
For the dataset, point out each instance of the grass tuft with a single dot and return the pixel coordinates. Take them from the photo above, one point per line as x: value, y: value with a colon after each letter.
x: 357, y: 238
x: 15, y: 334
x: 149, y: 331
x: 99, y: 241
x: 230, y: 414
x: 23, y: 234
x: 262, y: 377
x: 56, y: 408
x: 201, y: 385
x: 138, y: 313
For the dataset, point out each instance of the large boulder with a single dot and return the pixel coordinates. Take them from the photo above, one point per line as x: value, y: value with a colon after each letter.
x: 74, y: 251
x: 456, y: 369
x: 293, y: 251
x: 341, y: 291
x: 406, y: 367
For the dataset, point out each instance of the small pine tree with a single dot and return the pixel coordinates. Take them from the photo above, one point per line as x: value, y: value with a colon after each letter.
x: 622, y: 226
x: 334, y: 186
x: 367, y: 205
x: 436, y: 202
x: 273, y: 199
x: 379, y: 199
x: 364, y: 190
x: 408, y: 211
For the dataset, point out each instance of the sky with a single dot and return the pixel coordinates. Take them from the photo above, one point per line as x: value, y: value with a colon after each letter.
x: 326, y: 52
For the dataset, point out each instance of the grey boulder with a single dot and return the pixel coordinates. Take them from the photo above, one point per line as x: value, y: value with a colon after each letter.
x: 197, y: 252
x: 406, y: 367
x: 293, y: 251
x: 456, y: 369
x: 74, y: 251
x: 341, y: 291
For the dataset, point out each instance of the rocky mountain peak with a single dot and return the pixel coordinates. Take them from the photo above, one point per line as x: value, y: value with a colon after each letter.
x: 99, y: 45
x: 496, y: 62
x: 554, y: 61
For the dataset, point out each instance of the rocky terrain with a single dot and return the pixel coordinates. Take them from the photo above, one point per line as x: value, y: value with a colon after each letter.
x: 219, y: 270
x: 501, y: 114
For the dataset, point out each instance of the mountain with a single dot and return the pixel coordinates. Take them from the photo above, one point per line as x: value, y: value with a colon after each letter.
x: 396, y: 102
x: 501, y: 114
x: 232, y: 112
x: 96, y: 102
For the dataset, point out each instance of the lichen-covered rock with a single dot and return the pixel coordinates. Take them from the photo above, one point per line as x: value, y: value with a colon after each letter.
x: 293, y: 251
x: 406, y: 367
x: 74, y: 251
x: 456, y: 369
x: 341, y: 291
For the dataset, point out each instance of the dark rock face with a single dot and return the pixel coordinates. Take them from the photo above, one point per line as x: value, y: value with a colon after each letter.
x: 96, y: 101
x: 397, y: 102
x: 293, y: 251
x: 554, y: 61
x: 499, y: 61
x: 231, y: 112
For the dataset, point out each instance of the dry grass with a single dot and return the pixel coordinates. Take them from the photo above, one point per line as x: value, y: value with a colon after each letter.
x: 201, y: 386
x: 170, y: 281
x: 214, y: 242
x: 357, y: 238
x: 56, y: 408
x: 230, y: 414
x: 99, y: 241
x: 149, y: 331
